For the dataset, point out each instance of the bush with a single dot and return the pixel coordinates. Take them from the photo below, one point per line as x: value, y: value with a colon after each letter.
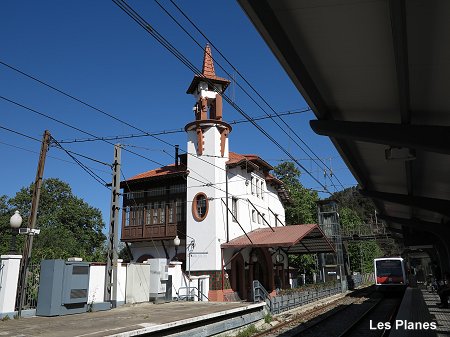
x: 268, y: 318
x: 247, y: 332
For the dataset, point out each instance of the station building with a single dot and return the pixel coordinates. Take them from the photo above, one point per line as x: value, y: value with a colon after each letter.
x: 226, y: 208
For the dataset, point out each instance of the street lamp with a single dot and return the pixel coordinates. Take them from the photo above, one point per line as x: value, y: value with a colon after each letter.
x: 15, y: 222
x: 176, y: 242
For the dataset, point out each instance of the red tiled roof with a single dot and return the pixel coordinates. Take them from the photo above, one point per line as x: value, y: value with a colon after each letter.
x: 236, y: 158
x: 159, y: 172
x: 298, y: 238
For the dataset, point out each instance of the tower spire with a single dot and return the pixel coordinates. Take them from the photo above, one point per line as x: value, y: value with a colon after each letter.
x: 208, y: 76
x: 208, y: 63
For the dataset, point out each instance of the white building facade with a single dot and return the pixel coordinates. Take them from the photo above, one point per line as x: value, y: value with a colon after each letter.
x: 226, y: 195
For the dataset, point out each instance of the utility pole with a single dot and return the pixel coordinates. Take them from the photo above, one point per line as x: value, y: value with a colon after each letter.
x: 21, y: 290
x: 113, y: 239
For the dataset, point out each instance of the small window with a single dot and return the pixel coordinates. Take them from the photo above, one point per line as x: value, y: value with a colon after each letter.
x: 170, y: 212
x: 259, y: 218
x: 257, y: 188
x: 262, y: 190
x: 155, y: 213
x: 149, y: 214
x: 253, y: 215
x: 200, y: 206
x: 163, y: 212
x: 253, y: 185
x: 234, y: 209
x: 127, y: 216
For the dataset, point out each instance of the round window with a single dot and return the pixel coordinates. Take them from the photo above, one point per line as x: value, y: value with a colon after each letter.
x: 200, y: 206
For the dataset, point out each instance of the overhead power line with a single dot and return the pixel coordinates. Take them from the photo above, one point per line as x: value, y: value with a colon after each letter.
x: 20, y: 133
x: 174, y: 51
x: 180, y: 130
x: 247, y: 82
x: 99, y: 179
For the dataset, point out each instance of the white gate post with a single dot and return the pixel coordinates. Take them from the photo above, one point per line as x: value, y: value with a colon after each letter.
x: 9, y: 276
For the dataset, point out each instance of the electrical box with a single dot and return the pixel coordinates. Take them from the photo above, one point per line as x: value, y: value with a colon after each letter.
x: 63, y: 288
x: 159, y: 272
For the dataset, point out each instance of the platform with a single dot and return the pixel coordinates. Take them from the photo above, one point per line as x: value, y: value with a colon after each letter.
x: 145, y: 319
x: 419, y: 306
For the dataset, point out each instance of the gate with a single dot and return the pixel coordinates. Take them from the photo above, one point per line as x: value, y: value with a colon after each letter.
x: 31, y: 293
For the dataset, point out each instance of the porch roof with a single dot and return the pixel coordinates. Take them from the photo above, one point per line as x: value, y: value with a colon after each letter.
x: 295, y: 239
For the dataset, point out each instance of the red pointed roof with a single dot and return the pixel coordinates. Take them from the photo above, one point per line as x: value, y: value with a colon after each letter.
x: 208, y: 64
x: 208, y: 73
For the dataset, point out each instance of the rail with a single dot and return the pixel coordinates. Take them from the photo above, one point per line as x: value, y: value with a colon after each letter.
x: 191, y: 293
x: 260, y: 294
x: 279, y: 303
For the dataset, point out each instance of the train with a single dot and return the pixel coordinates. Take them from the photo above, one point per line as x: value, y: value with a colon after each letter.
x: 390, y: 274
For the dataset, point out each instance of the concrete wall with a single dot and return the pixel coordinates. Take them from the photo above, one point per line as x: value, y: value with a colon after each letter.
x: 97, y: 283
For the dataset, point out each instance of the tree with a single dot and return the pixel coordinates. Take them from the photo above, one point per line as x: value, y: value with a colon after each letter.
x: 303, y: 208
x: 352, y: 199
x: 5, y: 231
x: 357, y: 214
x: 69, y: 226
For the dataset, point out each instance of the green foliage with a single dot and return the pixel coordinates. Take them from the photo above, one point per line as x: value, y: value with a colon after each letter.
x: 268, y: 318
x: 349, y: 219
x: 69, y: 226
x: 248, y: 331
x: 362, y: 254
x: 303, y: 209
x: 352, y: 199
x: 305, y: 263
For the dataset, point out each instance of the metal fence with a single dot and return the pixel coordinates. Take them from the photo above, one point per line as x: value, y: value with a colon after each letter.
x: 355, y: 281
x: 294, y: 299
x: 31, y: 294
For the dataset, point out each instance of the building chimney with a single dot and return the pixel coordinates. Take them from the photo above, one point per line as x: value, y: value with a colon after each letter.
x: 176, y: 155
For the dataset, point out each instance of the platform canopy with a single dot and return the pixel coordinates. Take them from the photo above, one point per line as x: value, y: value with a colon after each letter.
x: 376, y: 75
x: 294, y: 239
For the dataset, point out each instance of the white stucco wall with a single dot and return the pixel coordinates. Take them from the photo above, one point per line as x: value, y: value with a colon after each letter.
x: 204, y: 170
x: 9, y: 275
x: 238, y: 188
x: 209, y: 168
x: 97, y: 283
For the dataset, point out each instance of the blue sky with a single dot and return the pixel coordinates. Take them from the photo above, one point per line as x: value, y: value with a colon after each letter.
x: 95, y: 52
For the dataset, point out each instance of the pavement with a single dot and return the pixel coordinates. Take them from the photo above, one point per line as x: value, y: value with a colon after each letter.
x: 124, y: 321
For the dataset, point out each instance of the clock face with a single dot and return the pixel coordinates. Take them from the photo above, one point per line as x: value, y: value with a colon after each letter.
x: 200, y: 206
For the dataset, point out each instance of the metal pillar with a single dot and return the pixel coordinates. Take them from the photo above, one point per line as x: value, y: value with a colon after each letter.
x: 113, y: 238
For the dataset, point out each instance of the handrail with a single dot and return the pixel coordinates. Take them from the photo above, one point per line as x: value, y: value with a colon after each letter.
x: 189, y: 294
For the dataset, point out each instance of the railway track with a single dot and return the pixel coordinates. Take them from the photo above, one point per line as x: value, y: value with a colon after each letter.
x: 349, y: 316
x: 293, y: 323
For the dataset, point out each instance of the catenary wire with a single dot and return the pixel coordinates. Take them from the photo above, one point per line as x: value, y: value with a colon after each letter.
x: 147, y: 27
x: 249, y: 84
x: 99, y: 179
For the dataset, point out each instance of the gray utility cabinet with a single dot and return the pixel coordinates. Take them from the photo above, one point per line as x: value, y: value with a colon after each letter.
x: 63, y: 288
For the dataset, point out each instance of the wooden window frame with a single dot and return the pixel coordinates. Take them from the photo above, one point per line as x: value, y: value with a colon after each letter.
x: 195, y: 214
